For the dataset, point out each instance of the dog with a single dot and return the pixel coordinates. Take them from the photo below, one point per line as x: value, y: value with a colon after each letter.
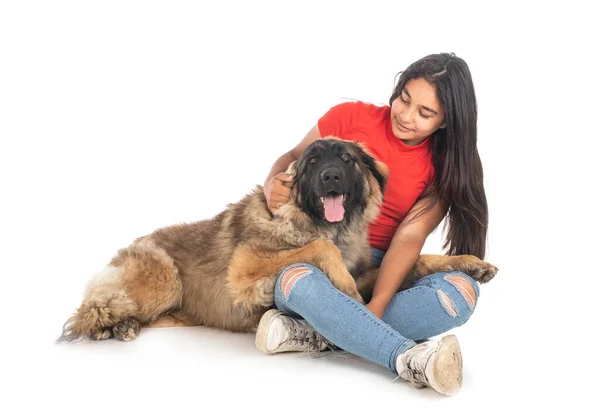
x: 221, y: 272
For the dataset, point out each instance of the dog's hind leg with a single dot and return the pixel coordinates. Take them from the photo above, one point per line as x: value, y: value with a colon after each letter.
x: 481, y: 271
x: 105, y: 304
x: 173, y: 319
x: 140, y: 284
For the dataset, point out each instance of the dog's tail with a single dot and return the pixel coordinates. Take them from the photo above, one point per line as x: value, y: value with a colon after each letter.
x: 105, y: 305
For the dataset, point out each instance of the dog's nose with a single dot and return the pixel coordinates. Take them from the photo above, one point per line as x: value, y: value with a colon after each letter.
x: 331, y: 175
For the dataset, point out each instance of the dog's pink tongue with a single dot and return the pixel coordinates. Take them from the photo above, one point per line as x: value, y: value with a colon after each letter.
x: 334, y: 208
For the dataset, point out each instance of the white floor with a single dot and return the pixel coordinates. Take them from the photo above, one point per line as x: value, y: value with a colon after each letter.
x: 509, y: 370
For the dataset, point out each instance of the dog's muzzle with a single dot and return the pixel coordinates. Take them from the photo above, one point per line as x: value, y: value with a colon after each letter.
x: 333, y: 186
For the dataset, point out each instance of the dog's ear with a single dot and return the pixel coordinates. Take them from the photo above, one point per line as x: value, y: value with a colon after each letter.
x: 378, y: 169
x: 292, y: 170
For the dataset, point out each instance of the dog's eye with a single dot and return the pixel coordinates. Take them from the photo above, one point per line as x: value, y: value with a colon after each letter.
x: 345, y: 157
x: 313, y: 160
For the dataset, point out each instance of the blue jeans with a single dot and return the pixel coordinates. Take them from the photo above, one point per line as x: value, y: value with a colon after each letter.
x: 430, y: 306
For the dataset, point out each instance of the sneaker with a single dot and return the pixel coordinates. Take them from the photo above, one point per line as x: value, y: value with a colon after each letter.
x: 278, y: 333
x: 436, y: 364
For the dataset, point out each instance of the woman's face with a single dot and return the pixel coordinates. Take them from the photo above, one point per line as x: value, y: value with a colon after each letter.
x: 417, y: 112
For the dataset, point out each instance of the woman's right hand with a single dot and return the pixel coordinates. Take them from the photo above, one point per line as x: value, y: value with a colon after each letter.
x: 276, y: 193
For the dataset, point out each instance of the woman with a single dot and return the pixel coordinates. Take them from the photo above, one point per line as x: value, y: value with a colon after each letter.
x: 428, y: 139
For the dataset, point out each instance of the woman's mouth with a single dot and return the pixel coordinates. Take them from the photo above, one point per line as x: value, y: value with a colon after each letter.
x: 401, y: 127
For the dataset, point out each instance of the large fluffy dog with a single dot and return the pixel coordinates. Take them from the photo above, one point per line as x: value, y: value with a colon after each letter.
x: 221, y: 272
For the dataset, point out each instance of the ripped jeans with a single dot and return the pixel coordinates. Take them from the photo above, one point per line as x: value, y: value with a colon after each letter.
x: 430, y: 306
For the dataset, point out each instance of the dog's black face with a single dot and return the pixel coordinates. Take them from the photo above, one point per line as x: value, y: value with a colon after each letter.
x: 330, y: 179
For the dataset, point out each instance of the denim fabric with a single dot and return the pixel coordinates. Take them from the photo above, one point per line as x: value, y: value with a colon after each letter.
x: 413, y: 314
x: 417, y: 313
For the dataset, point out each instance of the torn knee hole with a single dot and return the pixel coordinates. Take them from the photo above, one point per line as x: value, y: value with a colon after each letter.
x: 447, y: 303
x: 464, y: 286
x: 290, y: 277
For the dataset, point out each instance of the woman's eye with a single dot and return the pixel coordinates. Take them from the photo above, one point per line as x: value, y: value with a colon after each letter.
x: 423, y: 115
x: 345, y: 157
x: 313, y: 160
x: 403, y: 100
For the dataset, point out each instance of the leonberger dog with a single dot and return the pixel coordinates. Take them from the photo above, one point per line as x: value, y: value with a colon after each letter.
x: 221, y: 272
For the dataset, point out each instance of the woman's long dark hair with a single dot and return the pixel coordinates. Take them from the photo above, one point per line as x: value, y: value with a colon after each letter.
x: 458, y: 170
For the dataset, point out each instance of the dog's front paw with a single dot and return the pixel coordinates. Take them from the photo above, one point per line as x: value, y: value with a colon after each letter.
x: 352, y: 292
x: 358, y: 297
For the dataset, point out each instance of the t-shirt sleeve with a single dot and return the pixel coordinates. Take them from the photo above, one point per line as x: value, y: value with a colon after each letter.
x: 338, y: 119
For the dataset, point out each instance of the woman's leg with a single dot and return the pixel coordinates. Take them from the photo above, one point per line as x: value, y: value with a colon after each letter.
x: 303, y: 291
x: 305, y: 296
x: 433, y: 305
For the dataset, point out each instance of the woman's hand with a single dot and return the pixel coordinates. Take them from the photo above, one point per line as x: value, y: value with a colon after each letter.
x: 276, y: 193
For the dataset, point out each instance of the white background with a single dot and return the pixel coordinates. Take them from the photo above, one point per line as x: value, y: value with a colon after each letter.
x: 119, y: 117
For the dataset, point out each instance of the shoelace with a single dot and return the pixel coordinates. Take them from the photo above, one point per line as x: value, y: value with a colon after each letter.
x: 414, y: 382
x: 308, y: 338
x: 414, y: 371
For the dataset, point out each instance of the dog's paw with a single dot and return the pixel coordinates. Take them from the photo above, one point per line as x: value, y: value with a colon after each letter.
x: 479, y: 270
x: 353, y: 292
x: 358, y: 297
x: 486, y: 273
x: 101, y: 334
x: 127, y: 330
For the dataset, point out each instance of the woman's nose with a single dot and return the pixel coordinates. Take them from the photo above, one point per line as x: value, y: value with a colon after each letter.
x: 406, y: 116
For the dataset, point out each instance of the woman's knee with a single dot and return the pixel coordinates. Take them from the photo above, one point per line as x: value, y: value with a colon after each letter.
x: 457, y: 285
x: 292, y: 274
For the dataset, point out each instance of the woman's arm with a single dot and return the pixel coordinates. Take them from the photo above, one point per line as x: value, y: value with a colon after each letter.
x: 404, y: 250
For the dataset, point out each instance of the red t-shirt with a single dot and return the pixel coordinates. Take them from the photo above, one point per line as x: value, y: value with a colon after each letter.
x: 410, y: 167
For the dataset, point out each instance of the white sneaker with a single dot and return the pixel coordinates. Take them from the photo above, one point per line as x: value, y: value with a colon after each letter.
x: 436, y: 364
x: 278, y: 333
